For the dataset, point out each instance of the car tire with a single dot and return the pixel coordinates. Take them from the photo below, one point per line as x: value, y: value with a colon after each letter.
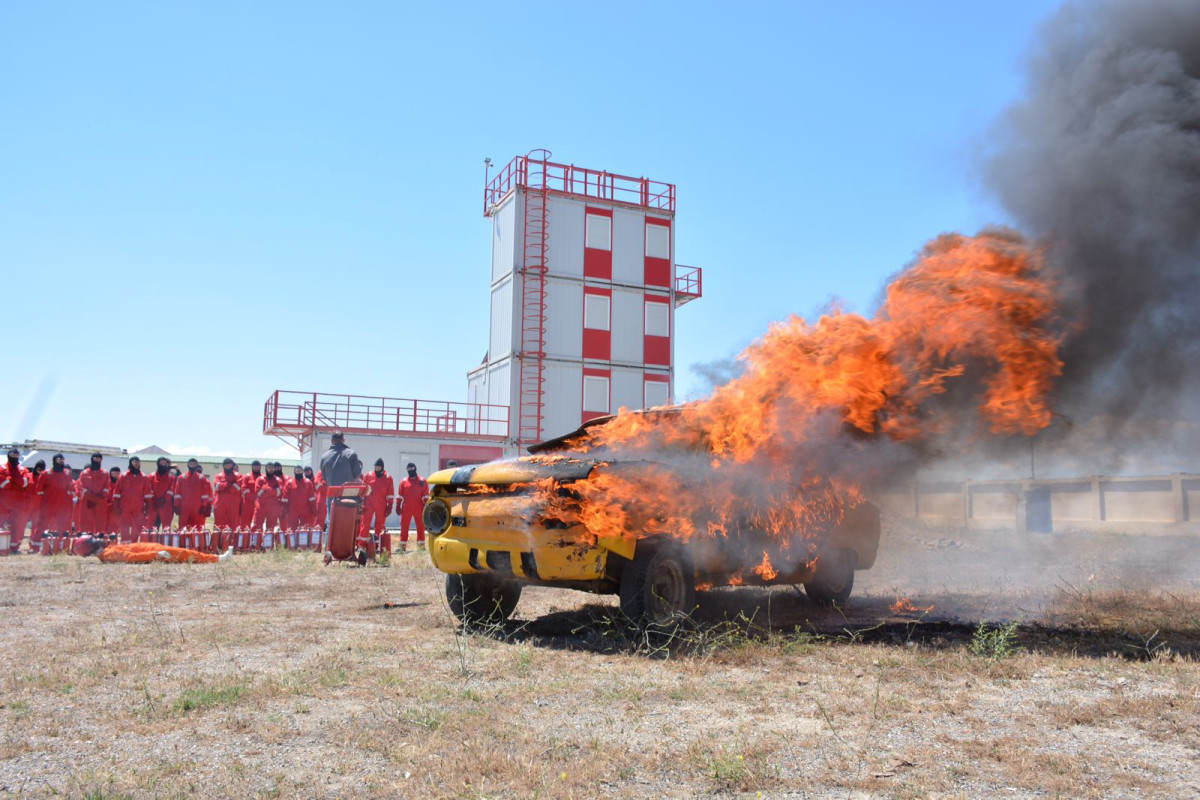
x: 659, y: 585
x: 834, y: 578
x: 480, y: 599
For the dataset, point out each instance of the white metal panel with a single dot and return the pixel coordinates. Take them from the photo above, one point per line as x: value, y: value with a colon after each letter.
x: 477, y: 387
x: 564, y: 318
x: 501, y: 341
x: 658, y: 316
x: 564, y: 398
x: 629, y: 236
x: 658, y: 241
x: 598, y: 232
x: 564, y: 237
x: 596, y: 394
x: 626, y: 388
x: 627, y: 311
x: 657, y: 393
x: 504, y: 237
x: 498, y: 383
x: 597, y: 312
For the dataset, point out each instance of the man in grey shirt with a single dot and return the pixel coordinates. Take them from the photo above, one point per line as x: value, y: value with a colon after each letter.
x: 340, y: 465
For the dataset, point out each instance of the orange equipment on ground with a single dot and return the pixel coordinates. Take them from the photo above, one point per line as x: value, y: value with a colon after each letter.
x: 146, y: 552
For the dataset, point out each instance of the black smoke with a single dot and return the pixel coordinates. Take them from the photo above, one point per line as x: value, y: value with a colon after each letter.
x: 1101, y: 160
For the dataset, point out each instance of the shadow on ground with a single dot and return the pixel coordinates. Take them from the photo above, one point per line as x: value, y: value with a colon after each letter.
x: 725, y: 618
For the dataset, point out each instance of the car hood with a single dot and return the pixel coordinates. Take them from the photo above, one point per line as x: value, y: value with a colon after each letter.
x: 517, y: 470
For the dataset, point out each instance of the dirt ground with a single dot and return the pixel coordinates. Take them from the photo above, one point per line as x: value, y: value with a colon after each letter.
x: 274, y: 676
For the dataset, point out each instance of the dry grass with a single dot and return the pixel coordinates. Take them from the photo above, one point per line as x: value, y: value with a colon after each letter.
x: 276, y: 677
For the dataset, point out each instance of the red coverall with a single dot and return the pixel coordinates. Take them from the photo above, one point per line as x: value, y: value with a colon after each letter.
x: 300, y: 494
x: 35, y: 517
x: 412, y: 496
x: 110, y: 522
x: 249, y: 498
x: 77, y: 507
x: 322, y: 506
x: 160, y: 511
x: 58, y: 493
x: 377, y: 506
x: 129, y: 504
x: 227, y: 508
x: 270, y: 504
x: 94, y: 490
x: 20, y: 498
x: 192, y: 492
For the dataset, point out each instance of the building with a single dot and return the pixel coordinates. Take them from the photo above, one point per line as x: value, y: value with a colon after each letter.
x: 584, y: 287
x: 76, y: 454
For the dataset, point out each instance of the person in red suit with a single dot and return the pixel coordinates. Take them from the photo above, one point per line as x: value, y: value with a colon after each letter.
x: 380, y: 502
x: 250, y: 494
x: 320, y: 509
x: 130, y: 497
x: 94, y: 494
x: 19, y: 493
x: 56, y: 488
x: 110, y: 521
x: 193, y: 493
x: 413, y: 493
x: 270, y: 503
x: 36, y: 528
x: 160, y: 511
x: 227, y: 489
x: 300, y: 494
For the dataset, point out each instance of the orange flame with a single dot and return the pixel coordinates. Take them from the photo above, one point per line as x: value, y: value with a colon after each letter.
x: 903, y: 605
x: 765, y: 570
x: 783, y: 446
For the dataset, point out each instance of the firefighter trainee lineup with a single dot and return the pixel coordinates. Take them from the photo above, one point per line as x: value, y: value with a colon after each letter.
x: 124, y: 504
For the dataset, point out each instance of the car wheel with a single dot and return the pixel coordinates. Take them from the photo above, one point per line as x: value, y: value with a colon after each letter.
x: 834, y: 578
x: 659, y: 585
x: 480, y: 599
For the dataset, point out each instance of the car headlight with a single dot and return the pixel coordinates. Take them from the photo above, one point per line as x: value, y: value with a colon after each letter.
x: 436, y: 516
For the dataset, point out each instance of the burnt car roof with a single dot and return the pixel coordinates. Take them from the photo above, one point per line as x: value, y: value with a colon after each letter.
x: 559, y: 442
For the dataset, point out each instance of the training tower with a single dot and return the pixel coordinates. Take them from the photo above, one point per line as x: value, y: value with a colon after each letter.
x: 584, y: 288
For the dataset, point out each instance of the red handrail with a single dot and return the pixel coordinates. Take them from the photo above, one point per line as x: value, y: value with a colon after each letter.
x: 570, y: 179
x: 288, y: 412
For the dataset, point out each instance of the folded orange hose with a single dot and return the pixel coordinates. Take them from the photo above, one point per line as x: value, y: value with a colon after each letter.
x: 145, y: 552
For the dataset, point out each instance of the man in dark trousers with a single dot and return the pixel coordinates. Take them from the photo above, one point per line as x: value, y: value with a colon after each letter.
x: 340, y: 465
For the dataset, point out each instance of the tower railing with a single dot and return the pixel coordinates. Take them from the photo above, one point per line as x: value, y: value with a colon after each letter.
x: 570, y: 179
x: 293, y: 415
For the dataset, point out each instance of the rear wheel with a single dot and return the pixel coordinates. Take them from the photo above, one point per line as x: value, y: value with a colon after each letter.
x: 834, y: 578
x: 659, y: 585
x: 480, y: 599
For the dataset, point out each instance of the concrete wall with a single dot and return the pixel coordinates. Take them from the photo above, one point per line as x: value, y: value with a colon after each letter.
x: 1135, y: 505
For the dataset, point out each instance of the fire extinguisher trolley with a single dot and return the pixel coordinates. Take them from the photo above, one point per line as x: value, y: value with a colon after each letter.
x: 345, y: 520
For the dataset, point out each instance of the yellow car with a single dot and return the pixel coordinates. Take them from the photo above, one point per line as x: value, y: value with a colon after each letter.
x: 493, y: 536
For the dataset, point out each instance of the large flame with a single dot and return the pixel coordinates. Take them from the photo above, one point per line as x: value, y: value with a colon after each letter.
x: 966, y: 338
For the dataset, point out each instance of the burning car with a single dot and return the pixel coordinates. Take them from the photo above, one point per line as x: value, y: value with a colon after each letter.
x: 577, y: 516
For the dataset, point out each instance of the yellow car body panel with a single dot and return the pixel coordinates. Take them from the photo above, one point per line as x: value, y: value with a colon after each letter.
x: 505, y: 524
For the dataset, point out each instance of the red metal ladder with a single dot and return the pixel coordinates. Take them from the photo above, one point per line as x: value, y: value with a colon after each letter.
x: 533, y: 302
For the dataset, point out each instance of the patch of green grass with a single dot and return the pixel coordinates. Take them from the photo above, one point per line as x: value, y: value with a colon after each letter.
x: 20, y: 708
x: 202, y: 697
x: 426, y: 718
x: 726, y: 768
x: 333, y: 678
x: 995, y: 643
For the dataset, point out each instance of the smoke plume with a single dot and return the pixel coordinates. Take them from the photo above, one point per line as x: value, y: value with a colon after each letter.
x: 1101, y: 161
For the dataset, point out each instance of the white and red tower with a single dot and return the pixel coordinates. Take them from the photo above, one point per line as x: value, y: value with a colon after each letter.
x: 584, y: 287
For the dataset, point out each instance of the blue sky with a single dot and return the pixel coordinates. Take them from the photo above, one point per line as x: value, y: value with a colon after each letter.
x: 192, y: 193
